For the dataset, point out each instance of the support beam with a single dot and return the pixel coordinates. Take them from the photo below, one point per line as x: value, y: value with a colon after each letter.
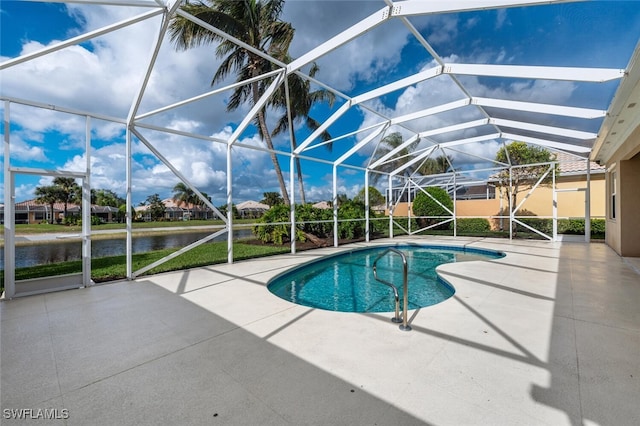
x: 394, y: 151
x: 397, y: 85
x: 324, y: 126
x: 366, y: 206
x: 558, y: 131
x: 81, y: 38
x: 413, y: 161
x: 86, y: 209
x: 134, y: 3
x: 554, y: 206
x: 292, y: 202
x: 178, y: 253
x: 470, y: 140
x: 229, y: 220
x: 59, y: 108
x: 344, y: 37
x: 335, y: 206
x: 546, y: 143
x: 565, y: 111
x: 510, y: 194
x: 256, y: 108
x: 410, y: 8
x: 9, y: 210
x: 533, y: 188
x: 133, y: 110
x: 390, y: 205
x: 431, y: 111
x: 455, y: 199
x: 587, y: 206
x: 371, y: 136
x: 208, y: 94
x: 179, y: 174
x: 47, y: 172
x: 226, y: 36
x: 129, y: 203
x: 592, y: 75
x: 454, y: 128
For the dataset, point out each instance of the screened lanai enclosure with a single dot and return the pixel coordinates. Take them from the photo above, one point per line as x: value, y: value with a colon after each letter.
x: 331, y: 98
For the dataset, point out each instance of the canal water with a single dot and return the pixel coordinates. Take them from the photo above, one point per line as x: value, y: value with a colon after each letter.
x: 54, y: 251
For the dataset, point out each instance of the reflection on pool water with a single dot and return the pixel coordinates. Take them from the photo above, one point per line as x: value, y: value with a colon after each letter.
x: 345, y: 282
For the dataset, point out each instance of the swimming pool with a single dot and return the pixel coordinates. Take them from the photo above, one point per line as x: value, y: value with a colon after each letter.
x: 345, y: 282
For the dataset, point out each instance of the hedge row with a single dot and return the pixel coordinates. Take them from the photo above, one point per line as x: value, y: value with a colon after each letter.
x: 482, y: 226
x: 322, y: 228
x: 565, y: 226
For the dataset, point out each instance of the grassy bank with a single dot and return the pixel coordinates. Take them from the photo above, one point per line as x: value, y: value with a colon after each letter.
x: 47, y: 228
x: 114, y: 267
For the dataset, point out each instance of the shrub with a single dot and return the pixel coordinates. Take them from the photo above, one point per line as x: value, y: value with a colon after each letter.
x: 576, y: 226
x: 321, y: 226
x: 543, y: 225
x: 424, y: 205
x: 473, y: 225
x: 598, y: 226
x: 571, y: 226
x: 273, y: 231
x: 308, y: 213
x: 404, y: 223
x: 95, y: 220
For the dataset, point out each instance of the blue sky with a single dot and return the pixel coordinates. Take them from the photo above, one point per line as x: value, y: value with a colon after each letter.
x: 102, y: 75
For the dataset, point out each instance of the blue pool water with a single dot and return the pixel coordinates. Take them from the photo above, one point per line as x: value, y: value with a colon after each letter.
x: 345, y: 282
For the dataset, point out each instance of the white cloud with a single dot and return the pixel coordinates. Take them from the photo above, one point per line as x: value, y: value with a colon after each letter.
x: 501, y: 18
x: 365, y: 58
x: 23, y: 151
x: 104, y: 75
x: 442, y: 89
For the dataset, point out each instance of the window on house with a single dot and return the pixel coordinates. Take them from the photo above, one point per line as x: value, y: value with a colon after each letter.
x: 613, y: 184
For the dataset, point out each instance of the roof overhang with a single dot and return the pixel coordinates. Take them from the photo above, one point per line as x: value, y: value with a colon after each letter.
x: 623, y: 117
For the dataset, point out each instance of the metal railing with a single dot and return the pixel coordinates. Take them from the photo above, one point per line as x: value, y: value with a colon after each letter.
x: 404, y: 326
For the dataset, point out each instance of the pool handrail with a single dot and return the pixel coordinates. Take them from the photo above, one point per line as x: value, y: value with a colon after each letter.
x: 404, y: 326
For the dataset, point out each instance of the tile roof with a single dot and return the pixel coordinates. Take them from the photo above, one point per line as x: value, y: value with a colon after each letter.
x: 570, y: 164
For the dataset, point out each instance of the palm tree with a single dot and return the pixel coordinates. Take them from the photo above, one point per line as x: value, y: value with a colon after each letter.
x: 156, y: 206
x: 271, y: 198
x: 434, y: 166
x: 254, y: 22
x: 106, y: 197
x: 182, y: 194
x: 301, y: 100
x: 388, y: 144
x: 68, y: 191
x: 48, y: 195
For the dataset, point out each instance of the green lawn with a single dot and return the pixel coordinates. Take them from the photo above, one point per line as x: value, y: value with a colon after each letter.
x: 43, y: 228
x: 114, y: 267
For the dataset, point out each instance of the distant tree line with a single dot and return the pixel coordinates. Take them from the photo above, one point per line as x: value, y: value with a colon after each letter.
x: 67, y: 191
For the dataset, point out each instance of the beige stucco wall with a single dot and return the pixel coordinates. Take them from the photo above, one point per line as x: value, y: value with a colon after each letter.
x: 570, y: 204
x: 623, y: 231
x: 630, y: 206
x: 475, y: 208
x: 540, y: 202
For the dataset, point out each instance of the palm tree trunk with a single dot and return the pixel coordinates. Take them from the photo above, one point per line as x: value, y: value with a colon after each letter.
x: 300, y: 181
x: 262, y: 122
x: 276, y: 164
x: 514, y: 200
x: 299, y: 171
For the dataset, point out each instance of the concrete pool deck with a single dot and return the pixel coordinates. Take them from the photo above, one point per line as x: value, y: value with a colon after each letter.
x: 548, y: 335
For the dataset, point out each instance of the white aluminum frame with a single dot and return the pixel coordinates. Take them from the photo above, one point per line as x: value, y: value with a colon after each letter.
x: 401, y: 10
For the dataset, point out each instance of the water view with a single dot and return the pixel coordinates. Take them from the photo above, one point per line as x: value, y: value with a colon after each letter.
x: 54, y: 251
